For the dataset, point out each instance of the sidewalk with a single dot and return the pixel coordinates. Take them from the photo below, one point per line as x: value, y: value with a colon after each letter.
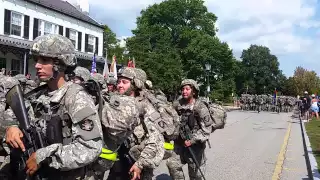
x: 294, y: 165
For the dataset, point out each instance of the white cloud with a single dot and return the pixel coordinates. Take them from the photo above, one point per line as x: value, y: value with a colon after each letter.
x: 282, y: 25
x: 270, y: 23
x: 122, y: 42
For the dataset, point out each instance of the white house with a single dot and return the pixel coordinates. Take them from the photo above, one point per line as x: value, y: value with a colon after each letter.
x: 21, y: 21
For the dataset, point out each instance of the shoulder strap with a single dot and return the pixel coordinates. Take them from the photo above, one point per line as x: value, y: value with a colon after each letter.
x: 37, y: 91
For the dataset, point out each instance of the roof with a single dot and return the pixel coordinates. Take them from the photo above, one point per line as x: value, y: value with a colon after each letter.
x: 19, y: 43
x: 66, y: 8
x: 25, y: 44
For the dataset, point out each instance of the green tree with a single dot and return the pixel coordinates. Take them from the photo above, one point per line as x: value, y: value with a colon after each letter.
x: 177, y: 37
x: 261, y: 69
x: 302, y: 80
x: 239, y: 76
x: 111, y: 44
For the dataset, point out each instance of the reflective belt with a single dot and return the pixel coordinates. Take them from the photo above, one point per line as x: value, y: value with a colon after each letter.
x: 109, y: 155
x: 168, y: 146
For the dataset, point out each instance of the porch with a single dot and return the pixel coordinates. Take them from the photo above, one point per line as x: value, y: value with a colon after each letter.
x: 14, y: 57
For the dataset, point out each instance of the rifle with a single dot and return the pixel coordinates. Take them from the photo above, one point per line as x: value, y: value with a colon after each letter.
x: 94, y: 89
x: 32, y: 139
x: 185, y: 133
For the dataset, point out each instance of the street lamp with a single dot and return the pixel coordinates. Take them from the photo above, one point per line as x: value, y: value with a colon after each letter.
x: 208, y: 69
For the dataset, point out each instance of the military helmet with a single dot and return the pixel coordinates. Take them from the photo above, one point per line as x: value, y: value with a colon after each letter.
x: 55, y: 46
x: 190, y: 82
x: 138, y: 76
x: 82, y: 72
x: 99, y: 79
x: 111, y: 79
x: 21, y: 78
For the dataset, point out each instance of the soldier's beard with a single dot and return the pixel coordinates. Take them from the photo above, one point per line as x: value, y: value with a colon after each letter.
x: 128, y: 92
x: 188, y: 98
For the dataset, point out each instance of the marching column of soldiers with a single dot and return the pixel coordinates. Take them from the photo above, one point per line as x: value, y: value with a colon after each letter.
x: 71, y: 124
x: 268, y: 103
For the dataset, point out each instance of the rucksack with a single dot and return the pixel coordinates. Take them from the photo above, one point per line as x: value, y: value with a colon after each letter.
x: 169, y: 121
x: 119, y: 114
x: 217, y: 112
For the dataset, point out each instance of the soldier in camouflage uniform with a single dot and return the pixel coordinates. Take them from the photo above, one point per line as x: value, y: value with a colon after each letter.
x: 145, y: 147
x: 82, y: 133
x: 111, y: 83
x: 195, y: 115
x: 99, y: 79
x: 6, y: 83
x: 26, y: 84
x: 81, y: 75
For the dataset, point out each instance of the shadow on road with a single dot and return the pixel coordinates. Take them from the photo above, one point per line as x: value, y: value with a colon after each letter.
x: 163, y: 177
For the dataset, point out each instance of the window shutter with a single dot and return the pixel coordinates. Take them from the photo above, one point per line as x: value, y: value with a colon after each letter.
x: 35, y: 28
x: 26, y: 27
x: 7, y: 21
x: 67, y: 32
x: 79, y: 40
x: 97, y: 45
x: 86, y: 42
x: 61, y: 30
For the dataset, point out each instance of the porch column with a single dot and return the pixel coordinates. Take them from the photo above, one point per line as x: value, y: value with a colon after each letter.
x: 25, y: 65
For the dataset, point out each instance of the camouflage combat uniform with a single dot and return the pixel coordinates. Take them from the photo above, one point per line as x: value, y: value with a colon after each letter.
x: 145, y: 145
x: 81, y: 127
x: 195, y: 115
x: 27, y: 85
x: 6, y: 83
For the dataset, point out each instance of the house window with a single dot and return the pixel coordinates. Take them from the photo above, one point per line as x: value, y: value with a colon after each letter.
x: 47, y: 28
x: 91, y: 41
x: 3, y: 63
x: 16, y: 23
x: 73, y: 37
x: 16, y: 66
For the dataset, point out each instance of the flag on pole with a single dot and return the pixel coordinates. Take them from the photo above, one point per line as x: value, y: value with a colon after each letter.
x: 113, y: 67
x: 106, y: 68
x: 94, y: 65
x: 133, y: 63
x: 275, y: 96
x: 130, y: 62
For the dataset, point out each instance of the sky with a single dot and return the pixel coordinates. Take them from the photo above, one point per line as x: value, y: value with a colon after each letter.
x: 290, y: 28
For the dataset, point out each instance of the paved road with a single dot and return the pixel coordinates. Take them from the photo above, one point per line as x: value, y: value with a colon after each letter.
x: 251, y: 146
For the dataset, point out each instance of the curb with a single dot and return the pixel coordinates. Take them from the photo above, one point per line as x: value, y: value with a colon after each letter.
x: 311, y: 162
x: 228, y: 108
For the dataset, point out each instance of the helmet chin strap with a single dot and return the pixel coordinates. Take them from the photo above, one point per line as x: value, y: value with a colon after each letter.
x: 55, y: 74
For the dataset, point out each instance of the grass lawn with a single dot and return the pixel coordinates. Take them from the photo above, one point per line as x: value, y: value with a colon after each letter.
x: 313, y: 131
